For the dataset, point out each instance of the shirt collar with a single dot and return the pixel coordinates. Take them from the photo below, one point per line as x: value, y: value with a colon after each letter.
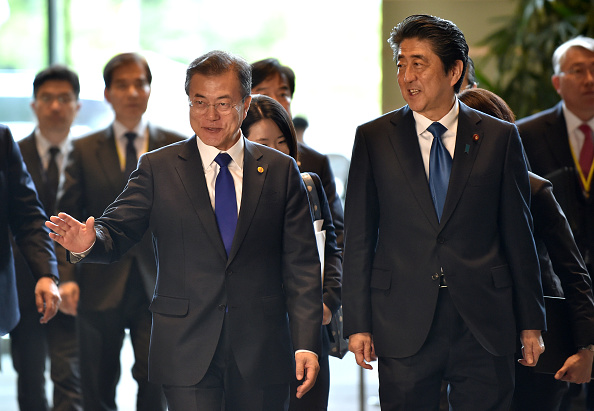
x: 573, y: 122
x: 208, y: 153
x: 449, y: 121
x: 43, y: 144
x: 119, y: 129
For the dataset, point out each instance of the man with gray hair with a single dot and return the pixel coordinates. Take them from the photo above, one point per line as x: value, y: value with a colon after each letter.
x: 237, y: 307
x: 559, y: 146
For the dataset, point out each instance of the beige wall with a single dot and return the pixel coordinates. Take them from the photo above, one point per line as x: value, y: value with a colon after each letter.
x: 476, y: 19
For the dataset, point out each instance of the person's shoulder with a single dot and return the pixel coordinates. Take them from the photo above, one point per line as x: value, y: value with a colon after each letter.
x: 91, y: 136
x: 394, y: 117
x: 262, y: 152
x: 304, y: 149
x: 540, y: 118
x: 173, y: 148
x: 169, y: 135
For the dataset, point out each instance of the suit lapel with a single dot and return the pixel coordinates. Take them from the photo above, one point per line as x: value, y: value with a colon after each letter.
x: 33, y: 161
x: 156, y: 138
x: 406, y: 147
x: 254, y: 175
x: 468, y: 141
x: 108, y: 159
x: 191, y: 173
x: 556, y: 137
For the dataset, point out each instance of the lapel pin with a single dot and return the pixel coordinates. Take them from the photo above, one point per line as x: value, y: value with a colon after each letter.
x: 467, y: 148
x: 260, y: 170
x: 475, y: 137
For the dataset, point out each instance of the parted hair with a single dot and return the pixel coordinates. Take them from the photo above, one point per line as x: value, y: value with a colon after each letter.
x: 264, y: 107
x: 218, y: 62
x: 446, y: 39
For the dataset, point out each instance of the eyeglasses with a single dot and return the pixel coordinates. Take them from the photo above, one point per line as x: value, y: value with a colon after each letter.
x: 223, y: 107
x: 580, y: 72
x: 50, y: 98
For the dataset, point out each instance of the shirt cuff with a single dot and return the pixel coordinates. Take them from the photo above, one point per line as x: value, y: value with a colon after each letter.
x: 76, y: 257
x: 306, y: 351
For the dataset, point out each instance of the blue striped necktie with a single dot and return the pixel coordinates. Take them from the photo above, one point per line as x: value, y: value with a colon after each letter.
x: 225, y: 201
x: 440, y: 165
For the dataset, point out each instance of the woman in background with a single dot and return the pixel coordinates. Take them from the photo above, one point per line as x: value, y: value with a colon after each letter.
x: 563, y: 273
x: 268, y: 123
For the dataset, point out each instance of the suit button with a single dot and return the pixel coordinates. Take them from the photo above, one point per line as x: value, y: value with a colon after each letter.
x: 435, y: 277
x: 229, y: 272
x: 221, y: 307
x: 441, y: 240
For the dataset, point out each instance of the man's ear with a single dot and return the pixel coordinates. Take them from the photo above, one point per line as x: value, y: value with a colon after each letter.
x: 556, y: 80
x: 456, y: 72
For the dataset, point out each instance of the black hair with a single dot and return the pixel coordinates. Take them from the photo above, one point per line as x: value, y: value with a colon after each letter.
x: 264, y: 107
x: 446, y: 39
x: 56, y: 72
x: 123, y: 59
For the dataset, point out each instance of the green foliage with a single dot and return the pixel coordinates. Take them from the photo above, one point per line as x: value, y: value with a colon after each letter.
x: 522, y: 49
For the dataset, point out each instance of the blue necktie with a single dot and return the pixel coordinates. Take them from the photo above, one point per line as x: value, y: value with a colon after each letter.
x: 440, y: 165
x: 225, y: 201
x: 131, y: 159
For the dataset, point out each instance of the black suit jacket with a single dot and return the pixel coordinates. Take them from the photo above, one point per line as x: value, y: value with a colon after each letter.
x: 92, y: 180
x: 316, y: 162
x: 26, y: 283
x: 22, y: 214
x: 545, y: 139
x: 270, y: 280
x: 563, y: 270
x: 395, y: 247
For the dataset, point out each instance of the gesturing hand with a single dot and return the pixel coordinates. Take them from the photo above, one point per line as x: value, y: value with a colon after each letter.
x: 71, y: 233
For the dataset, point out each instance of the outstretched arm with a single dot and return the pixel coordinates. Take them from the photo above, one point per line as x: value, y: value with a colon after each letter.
x: 71, y: 234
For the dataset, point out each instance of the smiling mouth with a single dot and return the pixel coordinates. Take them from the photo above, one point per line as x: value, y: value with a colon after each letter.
x: 414, y: 92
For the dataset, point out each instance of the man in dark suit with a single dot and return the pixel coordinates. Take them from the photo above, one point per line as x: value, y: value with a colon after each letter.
x: 115, y: 297
x: 238, y: 286
x: 563, y: 274
x: 55, y: 104
x: 272, y: 79
x: 440, y: 265
x: 558, y: 144
x: 22, y: 215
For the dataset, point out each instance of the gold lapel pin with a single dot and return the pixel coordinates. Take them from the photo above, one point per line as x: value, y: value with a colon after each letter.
x: 260, y: 170
x: 475, y: 137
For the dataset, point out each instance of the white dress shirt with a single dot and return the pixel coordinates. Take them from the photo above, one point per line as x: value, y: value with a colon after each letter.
x: 211, y: 168
x: 140, y: 142
x: 449, y: 121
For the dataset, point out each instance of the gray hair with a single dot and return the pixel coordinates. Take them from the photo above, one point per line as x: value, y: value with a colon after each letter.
x: 579, y: 41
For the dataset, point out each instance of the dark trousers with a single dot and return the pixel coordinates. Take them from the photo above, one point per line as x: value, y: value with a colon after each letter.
x: 316, y: 399
x: 477, y: 379
x: 537, y: 391
x: 101, y: 335
x: 224, y: 388
x: 31, y: 343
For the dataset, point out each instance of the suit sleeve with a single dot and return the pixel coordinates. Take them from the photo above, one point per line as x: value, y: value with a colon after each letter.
x: 517, y: 235
x: 334, y: 202
x: 26, y: 215
x: 552, y: 228
x: 124, y: 221
x: 361, y: 234
x: 301, y: 267
x: 332, y: 287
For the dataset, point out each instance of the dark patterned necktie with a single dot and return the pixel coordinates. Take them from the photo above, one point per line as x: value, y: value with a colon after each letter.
x: 52, y: 178
x: 440, y: 165
x: 225, y: 201
x: 131, y: 159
